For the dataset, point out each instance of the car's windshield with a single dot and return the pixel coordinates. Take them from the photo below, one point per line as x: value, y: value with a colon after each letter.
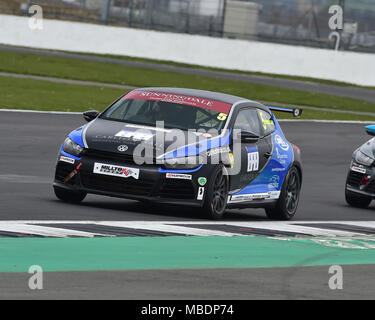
x: 177, y: 112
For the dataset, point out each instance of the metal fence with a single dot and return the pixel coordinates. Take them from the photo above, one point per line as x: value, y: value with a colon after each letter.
x: 299, y: 22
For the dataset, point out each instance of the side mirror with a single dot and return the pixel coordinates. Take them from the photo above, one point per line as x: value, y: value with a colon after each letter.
x: 90, y: 115
x: 247, y: 136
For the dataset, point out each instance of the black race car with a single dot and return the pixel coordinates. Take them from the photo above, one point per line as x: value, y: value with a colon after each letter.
x: 186, y: 147
x: 360, y: 182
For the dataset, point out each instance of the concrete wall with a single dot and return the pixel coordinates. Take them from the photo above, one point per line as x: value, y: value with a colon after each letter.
x: 356, y: 68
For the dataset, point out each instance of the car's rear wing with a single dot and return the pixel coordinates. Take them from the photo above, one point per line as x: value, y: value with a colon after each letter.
x: 295, y: 111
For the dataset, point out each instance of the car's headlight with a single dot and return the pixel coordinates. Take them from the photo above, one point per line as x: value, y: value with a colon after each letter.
x: 182, y: 163
x: 361, y: 158
x: 72, y: 148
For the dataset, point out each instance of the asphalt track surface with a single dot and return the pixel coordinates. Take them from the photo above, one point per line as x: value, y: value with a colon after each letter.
x: 219, y: 284
x: 343, y: 91
x: 30, y: 142
x: 29, y: 145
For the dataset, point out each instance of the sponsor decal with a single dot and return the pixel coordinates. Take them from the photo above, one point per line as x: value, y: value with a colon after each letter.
x: 122, y: 148
x: 178, y: 176
x: 252, y: 159
x: 200, y: 193
x: 274, y: 182
x: 180, y: 99
x: 280, y: 155
x: 217, y: 151
x: 67, y: 159
x: 202, y: 181
x: 222, y: 116
x: 255, y: 196
x: 280, y: 141
x: 357, y: 169
x: 278, y: 169
x: 274, y: 194
x: 231, y: 159
x: 116, y: 171
x: 265, y: 121
x: 134, y: 135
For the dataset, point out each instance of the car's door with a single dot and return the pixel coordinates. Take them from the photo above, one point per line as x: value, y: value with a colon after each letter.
x: 254, y: 155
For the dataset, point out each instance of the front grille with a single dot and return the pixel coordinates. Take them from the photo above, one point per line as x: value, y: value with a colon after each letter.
x: 129, y: 185
x: 177, y: 189
x: 355, y: 178
x: 63, y: 170
x: 111, y: 156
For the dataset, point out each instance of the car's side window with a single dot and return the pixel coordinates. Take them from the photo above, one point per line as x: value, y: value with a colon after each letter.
x: 267, y: 122
x: 247, y: 119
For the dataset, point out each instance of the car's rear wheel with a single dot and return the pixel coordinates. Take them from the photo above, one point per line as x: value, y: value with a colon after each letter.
x: 217, y: 193
x: 356, y: 200
x: 69, y: 196
x: 287, y: 204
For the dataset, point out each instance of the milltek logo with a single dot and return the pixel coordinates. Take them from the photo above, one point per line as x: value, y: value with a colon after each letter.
x: 111, y: 170
x: 122, y: 148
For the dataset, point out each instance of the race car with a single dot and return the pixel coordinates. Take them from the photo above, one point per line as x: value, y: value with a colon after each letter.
x: 360, y: 182
x: 183, y: 147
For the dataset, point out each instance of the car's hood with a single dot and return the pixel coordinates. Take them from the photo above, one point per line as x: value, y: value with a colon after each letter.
x: 368, y: 148
x: 107, y: 135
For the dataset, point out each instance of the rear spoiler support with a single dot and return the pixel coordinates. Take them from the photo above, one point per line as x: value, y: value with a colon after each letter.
x: 295, y: 111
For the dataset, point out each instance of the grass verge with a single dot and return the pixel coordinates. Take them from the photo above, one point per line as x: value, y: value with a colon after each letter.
x: 112, y: 73
x: 49, y: 96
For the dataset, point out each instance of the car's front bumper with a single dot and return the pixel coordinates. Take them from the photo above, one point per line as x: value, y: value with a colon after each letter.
x: 152, y: 184
x: 361, y: 180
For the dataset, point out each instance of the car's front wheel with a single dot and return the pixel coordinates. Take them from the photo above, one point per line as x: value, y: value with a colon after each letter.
x: 217, y: 193
x: 287, y: 204
x: 69, y: 196
x: 355, y: 200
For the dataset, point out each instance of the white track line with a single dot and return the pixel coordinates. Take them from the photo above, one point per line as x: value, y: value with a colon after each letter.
x: 37, y: 111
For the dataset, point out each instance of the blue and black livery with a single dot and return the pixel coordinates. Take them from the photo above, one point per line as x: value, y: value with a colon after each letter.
x: 258, y: 166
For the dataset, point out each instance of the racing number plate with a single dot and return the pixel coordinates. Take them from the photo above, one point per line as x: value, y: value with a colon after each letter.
x: 116, y: 171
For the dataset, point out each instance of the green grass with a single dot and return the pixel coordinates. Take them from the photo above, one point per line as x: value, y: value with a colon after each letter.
x: 140, y: 77
x: 44, y: 95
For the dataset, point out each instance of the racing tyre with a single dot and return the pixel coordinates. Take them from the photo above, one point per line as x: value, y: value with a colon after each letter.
x: 287, y: 204
x: 69, y: 196
x: 217, y: 189
x: 355, y: 200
